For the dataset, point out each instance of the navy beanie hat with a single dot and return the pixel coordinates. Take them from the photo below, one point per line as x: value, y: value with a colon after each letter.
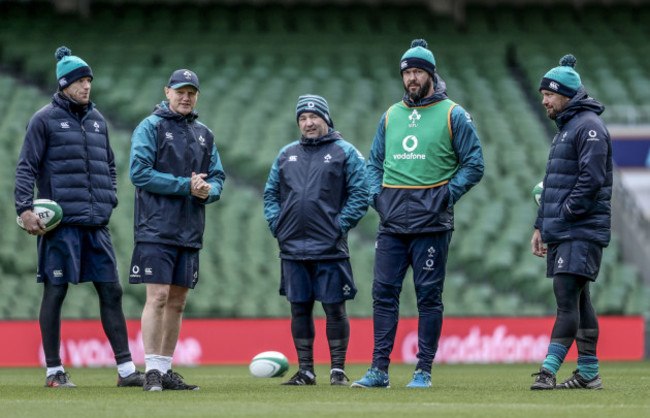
x: 564, y: 79
x: 419, y: 56
x: 311, y: 103
x: 70, y: 68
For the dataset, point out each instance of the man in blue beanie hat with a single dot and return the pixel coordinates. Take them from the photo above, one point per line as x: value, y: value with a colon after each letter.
x: 67, y: 155
x: 316, y: 192
x: 425, y: 155
x: 574, y: 220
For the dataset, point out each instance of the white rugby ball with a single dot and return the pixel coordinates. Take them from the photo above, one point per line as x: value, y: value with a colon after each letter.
x: 537, y: 192
x: 269, y: 364
x: 49, y: 211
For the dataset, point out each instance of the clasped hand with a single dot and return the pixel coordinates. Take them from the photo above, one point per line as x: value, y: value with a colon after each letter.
x: 199, y: 187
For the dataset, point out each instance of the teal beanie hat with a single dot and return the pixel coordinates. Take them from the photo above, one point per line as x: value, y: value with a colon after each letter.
x: 419, y: 56
x: 70, y: 68
x: 564, y: 79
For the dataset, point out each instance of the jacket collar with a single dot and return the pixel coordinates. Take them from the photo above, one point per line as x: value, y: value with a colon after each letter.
x: 164, y: 111
x: 581, y: 102
x: 331, y: 136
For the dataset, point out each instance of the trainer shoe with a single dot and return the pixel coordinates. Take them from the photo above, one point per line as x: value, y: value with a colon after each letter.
x: 421, y: 379
x: 375, y: 378
x: 134, y: 379
x: 59, y: 380
x: 152, y: 381
x: 174, y: 381
x: 578, y: 381
x: 545, y: 380
x: 338, y: 378
x: 302, y: 377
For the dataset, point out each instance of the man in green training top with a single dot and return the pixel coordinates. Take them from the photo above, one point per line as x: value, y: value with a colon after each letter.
x: 425, y: 156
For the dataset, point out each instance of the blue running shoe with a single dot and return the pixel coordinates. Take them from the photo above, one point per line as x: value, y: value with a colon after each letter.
x: 421, y: 379
x: 375, y: 378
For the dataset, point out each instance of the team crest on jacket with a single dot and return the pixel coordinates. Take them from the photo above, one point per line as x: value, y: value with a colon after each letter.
x: 327, y: 158
x: 96, y: 126
x: 201, y: 140
x: 169, y: 136
x: 346, y: 290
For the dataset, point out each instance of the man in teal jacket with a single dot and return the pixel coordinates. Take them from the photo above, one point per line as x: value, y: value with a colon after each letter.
x: 176, y: 169
x: 425, y: 156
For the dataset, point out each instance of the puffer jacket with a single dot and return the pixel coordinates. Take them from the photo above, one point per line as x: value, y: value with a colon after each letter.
x: 576, y: 199
x: 166, y: 148
x: 316, y: 192
x: 67, y: 155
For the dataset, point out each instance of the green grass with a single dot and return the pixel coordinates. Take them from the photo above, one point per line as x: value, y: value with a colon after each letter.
x: 458, y: 390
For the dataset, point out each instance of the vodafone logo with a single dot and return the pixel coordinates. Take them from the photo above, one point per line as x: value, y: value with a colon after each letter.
x: 97, y: 352
x: 410, y: 143
x: 499, y: 346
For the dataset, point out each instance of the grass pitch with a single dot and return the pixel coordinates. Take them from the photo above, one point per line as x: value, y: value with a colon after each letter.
x: 230, y: 391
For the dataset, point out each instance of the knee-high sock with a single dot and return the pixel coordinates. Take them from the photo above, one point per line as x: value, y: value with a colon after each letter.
x: 303, y: 332
x: 338, y: 333
x: 50, y: 321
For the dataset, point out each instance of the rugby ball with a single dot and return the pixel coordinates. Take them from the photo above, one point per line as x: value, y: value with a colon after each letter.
x: 49, y: 211
x: 269, y: 364
x: 537, y: 192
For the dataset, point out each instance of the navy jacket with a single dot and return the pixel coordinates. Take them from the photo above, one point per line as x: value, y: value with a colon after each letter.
x: 316, y: 192
x: 67, y: 155
x: 575, y: 203
x: 423, y: 210
x: 166, y: 148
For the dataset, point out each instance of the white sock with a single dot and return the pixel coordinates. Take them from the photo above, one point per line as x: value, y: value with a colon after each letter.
x: 153, y: 362
x: 53, y: 370
x: 126, y: 369
x: 166, y: 363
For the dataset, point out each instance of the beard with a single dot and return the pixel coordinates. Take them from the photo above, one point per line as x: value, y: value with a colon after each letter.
x: 419, y: 93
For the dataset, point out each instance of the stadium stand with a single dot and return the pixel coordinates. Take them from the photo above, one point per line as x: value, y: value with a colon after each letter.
x: 254, y: 62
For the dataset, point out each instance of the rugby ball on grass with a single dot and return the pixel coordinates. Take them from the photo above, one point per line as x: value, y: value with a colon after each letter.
x: 49, y: 211
x: 537, y: 192
x: 269, y: 364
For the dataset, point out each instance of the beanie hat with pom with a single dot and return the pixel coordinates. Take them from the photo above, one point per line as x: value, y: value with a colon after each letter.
x: 418, y: 56
x: 564, y: 79
x: 70, y: 68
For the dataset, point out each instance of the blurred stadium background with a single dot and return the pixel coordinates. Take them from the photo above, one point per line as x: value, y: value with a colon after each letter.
x: 254, y: 58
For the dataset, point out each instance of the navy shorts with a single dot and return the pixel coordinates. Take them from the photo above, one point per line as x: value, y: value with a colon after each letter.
x: 164, y: 264
x: 327, y: 281
x: 580, y: 258
x: 72, y: 254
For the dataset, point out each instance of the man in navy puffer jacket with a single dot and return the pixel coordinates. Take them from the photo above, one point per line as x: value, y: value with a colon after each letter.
x: 67, y: 155
x: 316, y: 192
x: 574, y: 219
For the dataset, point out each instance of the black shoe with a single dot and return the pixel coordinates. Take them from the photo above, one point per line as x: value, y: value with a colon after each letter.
x: 153, y: 381
x: 59, y: 380
x: 302, y: 377
x: 174, y: 381
x: 338, y: 378
x: 545, y: 380
x: 134, y: 379
x: 577, y: 381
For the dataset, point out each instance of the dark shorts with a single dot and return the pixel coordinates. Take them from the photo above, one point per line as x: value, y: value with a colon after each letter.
x: 164, y: 264
x: 580, y: 258
x: 71, y: 254
x: 327, y: 281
